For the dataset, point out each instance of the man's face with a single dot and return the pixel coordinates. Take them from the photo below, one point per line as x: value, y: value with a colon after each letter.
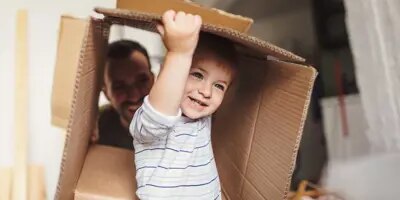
x: 127, y: 82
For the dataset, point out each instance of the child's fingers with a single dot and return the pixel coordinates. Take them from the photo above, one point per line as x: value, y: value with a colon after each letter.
x: 168, y: 17
x: 180, y: 16
x: 197, y: 21
x: 189, y: 19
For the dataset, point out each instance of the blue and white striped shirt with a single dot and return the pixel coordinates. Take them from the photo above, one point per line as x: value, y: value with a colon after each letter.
x: 173, y: 156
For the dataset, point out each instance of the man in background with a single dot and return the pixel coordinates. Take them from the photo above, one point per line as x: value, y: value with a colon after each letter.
x: 127, y: 80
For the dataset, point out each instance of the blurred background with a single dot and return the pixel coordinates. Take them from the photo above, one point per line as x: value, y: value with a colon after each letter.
x: 351, y: 140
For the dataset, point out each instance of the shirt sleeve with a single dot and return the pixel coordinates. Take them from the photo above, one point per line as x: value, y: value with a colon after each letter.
x: 149, y: 125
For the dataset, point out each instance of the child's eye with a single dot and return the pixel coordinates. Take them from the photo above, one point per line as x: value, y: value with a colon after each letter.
x: 219, y: 86
x: 198, y: 75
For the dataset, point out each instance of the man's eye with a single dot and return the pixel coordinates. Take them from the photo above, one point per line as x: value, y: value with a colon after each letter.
x: 144, y: 79
x: 219, y: 86
x: 118, y: 87
x: 197, y: 75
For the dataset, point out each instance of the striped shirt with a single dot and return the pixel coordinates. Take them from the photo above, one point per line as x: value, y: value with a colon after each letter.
x: 173, y: 156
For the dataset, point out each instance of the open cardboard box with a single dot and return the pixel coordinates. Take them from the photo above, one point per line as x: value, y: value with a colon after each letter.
x: 256, y: 133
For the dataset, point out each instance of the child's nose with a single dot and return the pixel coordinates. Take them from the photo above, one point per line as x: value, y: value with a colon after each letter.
x: 206, y: 90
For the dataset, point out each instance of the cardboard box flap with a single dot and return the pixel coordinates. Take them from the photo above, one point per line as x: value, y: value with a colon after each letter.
x: 84, y: 108
x: 257, y: 131
x: 147, y: 21
x: 70, y: 40
x: 210, y: 15
x: 108, y: 172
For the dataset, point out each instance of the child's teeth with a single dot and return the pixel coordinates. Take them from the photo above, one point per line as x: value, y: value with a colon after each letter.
x: 198, y: 102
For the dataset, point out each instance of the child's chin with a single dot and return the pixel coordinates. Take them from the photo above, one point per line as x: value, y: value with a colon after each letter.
x: 193, y: 115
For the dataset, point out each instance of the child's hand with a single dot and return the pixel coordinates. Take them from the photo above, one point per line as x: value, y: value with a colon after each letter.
x: 180, y: 31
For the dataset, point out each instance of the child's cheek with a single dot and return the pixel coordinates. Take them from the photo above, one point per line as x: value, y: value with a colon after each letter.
x: 190, y: 84
x: 218, y: 99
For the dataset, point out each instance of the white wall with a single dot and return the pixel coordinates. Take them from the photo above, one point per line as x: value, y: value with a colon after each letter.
x: 292, y: 30
x: 7, y: 82
x: 343, y: 148
x: 45, y: 141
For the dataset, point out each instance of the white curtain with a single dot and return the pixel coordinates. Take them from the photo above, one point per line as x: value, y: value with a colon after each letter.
x: 374, y: 30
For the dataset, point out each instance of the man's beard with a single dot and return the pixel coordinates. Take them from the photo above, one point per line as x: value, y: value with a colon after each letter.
x: 126, y: 112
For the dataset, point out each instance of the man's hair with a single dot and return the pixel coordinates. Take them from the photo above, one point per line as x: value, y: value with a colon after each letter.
x: 122, y: 49
x: 223, y: 48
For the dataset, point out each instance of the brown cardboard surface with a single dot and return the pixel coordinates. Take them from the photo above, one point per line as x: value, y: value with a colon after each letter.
x: 108, y: 172
x: 71, y: 35
x: 84, y: 107
x: 211, y: 16
x: 256, y: 132
x: 233, y: 128
x: 278, y: 128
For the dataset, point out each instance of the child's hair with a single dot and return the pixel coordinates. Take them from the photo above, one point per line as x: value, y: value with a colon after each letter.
x: 221, y: 47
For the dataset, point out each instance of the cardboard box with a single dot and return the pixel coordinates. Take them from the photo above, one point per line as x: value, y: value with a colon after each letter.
x: 256, y: 133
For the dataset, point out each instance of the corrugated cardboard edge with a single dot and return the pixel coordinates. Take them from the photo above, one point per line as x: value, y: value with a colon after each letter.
x: 301, y: 128
x: 96, y: 28
x: 72, y: 112
x: 214, y: 15
x: 118, y: 16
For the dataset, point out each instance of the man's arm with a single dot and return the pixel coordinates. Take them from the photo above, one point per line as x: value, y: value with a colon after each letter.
x: 180, y: 33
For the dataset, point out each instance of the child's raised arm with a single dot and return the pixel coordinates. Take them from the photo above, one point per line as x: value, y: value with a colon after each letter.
x: 180, y: 33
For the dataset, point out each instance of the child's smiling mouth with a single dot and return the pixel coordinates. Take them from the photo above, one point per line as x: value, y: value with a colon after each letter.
x: 198, y: 102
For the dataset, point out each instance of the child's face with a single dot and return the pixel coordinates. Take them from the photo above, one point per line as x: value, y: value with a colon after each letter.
x: 208, y: 80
